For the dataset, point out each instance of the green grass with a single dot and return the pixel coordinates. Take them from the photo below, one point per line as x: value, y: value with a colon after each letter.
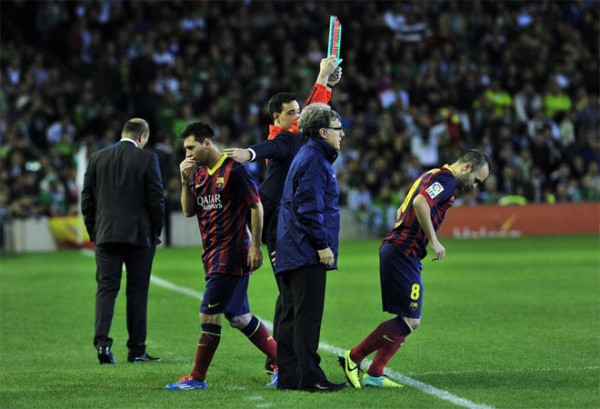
x: 506, y: 323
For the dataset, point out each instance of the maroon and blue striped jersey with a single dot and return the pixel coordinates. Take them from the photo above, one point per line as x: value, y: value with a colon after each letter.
x: 437, y: 186
x: 224, y: 196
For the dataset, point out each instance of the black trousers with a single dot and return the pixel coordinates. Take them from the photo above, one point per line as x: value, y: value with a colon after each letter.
x: 109, y: 267
x: 269, y: 237
x: 303, y: 296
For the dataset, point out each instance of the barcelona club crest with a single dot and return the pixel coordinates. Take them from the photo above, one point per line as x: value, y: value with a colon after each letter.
x: 414, y: 306
x: 220, y: 183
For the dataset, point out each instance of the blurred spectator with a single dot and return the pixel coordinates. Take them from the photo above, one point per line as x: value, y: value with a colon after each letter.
x: 519, y: 80
x: 527, y: 102
x: 555, y: 100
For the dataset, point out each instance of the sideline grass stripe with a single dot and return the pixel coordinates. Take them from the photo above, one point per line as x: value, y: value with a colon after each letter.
x: 426, y: 388
x: 429, y: 389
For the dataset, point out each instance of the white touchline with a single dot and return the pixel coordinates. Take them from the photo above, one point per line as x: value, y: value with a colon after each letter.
x: 432, y: 390
x: 429, y: 389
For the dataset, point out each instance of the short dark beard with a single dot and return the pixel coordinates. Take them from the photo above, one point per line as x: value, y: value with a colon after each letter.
x: 461, y: 187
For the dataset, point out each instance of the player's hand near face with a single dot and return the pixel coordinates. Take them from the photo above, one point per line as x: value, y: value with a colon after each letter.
x: 326, y: 257
x: 186, y: 168
x: 240, y: 155
x: 255, y: 258
x: 439, y: 251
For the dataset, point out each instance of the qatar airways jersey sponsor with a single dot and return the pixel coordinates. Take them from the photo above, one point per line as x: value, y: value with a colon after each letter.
x: 224, y: 196
x: 209, y: 202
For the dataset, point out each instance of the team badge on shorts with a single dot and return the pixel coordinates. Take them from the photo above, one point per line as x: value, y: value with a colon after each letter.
x: 220, y: 183
x: 413, y: 306
x: 434, y: 190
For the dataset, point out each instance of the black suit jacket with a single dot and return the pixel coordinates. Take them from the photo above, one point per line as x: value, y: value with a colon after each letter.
x: 122, y: 198
x: 280, y: 151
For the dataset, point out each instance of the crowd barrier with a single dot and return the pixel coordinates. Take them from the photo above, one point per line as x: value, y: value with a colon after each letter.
x: 462, y: 222
x: 50, y: 234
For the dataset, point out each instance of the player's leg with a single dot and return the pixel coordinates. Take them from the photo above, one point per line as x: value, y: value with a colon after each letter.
x: 109, y: 267
x: 403, y: 276
x: 218, y: 292
x: 402, y: 294
x: 239, y: 316
x: 207, y: 346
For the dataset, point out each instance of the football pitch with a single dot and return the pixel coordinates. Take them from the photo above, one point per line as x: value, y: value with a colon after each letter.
x: 507, y: 323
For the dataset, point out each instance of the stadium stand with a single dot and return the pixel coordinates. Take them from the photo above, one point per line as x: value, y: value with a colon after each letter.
x: 422, y: 80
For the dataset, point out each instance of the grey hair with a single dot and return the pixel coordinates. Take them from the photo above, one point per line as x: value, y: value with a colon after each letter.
x: 314, y: 117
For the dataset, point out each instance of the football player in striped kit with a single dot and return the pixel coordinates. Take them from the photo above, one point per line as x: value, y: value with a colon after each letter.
x: 222, y: 194
x: 400, y: 255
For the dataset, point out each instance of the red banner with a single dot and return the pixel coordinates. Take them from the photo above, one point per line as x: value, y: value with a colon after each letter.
x: 516, y: 221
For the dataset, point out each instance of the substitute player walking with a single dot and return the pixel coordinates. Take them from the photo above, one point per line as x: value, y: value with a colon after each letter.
x: 400, y: 255
x: 222, y: 194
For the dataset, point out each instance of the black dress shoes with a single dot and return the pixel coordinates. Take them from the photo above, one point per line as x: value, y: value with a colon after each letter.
x: 143, y: 358
x: 105, y: 356
x: 325, y: 386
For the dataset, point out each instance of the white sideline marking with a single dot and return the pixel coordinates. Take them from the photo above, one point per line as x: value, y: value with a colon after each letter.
x: 500, y: 371
x: 179, y: 289
x: 423, y: 387
x: 432, y: 390
x: 429, y: 389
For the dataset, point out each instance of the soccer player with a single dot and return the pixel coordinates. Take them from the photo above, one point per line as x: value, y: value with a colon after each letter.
x: 307, y: 243
x: 222, y: 194
x: 400, y: 255
x: 283, y: 143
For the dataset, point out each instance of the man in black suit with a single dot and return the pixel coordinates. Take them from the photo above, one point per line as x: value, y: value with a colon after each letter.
x: 123, y: 208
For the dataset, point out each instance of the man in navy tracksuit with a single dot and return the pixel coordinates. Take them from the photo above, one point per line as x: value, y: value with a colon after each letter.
x: 279, y: 149
x: 307, y: 243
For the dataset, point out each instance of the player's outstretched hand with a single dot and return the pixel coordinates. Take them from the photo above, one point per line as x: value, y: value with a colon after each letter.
x: 438, y: 250
x: 240, y: 155
x: 255, y: 258
x: 326, y: 257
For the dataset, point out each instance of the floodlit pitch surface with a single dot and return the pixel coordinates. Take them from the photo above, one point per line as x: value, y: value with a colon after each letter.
x: 507, y: 323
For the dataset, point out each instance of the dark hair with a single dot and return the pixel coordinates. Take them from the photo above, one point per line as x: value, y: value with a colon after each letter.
x: 198, y: 130
x: 136, y: 126
x: 276, y: 102
x: 477, y: 158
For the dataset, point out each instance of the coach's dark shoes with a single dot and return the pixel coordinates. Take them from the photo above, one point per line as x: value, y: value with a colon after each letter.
x: 325, y: 386
x: 105, y: 356
x: 142, y: 358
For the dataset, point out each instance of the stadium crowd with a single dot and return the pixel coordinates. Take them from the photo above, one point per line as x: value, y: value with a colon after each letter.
x: 421, y: 80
